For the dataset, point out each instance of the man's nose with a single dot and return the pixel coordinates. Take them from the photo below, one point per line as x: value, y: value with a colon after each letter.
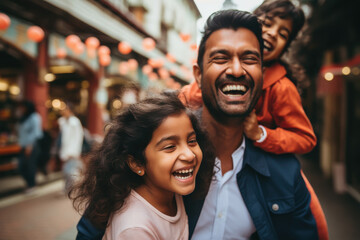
x: 235, y: 69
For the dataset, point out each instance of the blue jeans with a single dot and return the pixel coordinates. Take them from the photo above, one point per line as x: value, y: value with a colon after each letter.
x: 28, y: 165
x: 71, y: 171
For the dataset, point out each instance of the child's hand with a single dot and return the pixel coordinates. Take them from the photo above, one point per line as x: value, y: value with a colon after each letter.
x: 251, y: 127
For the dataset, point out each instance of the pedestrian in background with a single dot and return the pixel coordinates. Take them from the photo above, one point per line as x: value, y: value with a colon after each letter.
x: 71, y: 140
x: 29, y: 132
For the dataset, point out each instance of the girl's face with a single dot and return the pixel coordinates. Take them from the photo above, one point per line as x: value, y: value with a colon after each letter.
x: 173, y: 157
x: 275, y: 32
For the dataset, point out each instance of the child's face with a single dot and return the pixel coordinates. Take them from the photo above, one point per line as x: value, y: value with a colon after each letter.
x: 173, y: 157
x: 275, y: 32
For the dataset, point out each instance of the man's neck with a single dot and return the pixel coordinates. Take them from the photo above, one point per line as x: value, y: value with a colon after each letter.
x: 226, y: 138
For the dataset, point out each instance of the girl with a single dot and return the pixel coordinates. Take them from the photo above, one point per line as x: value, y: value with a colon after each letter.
x: 279, y: 124
x: 150, y: 156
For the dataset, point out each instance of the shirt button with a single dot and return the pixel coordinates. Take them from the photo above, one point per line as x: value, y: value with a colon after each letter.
x: 219, y: 215
x: 275, y: 207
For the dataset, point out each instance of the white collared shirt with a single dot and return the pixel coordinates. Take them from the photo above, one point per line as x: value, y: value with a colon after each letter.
x: 224, y: 214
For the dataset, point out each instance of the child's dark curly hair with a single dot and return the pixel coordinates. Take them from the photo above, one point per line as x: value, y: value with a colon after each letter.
x: 108, y: 180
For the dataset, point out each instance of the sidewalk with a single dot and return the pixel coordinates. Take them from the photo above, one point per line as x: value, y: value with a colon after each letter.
x: 44, y: 214
x: 342, y: 211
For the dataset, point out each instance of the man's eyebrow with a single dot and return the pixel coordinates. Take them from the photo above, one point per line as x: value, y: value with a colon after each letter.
x: 250, y: 52
x: 219, y: 51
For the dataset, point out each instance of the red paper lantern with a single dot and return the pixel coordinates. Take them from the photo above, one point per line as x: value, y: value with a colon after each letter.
x: 170, y: 57
x: 153, y: 76
x: 104, y: 60
x: 133, y: 64
x: 61, y: 52
x: 163, y: 73
x: 35, y: 33
x: 4, y: 21
x: 185, y: 37
x: 71, y: 41
x: 148, y: 44
x: 124, y: 48
x: 123, y: 68
x: 193, y: 46
x: 156, y: 63
x: 79, y: 48
x: 92, y: 43
x: 103, y: 50
x: 146, y: 69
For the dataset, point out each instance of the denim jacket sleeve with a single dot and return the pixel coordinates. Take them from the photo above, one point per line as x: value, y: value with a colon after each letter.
x: 87, y: 231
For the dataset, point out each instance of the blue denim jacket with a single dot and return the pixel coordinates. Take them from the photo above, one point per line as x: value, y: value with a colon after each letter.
x: 273, y: 191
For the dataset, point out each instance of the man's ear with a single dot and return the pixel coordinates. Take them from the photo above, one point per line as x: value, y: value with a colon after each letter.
x: 197, y: 74
x: 134, y: 166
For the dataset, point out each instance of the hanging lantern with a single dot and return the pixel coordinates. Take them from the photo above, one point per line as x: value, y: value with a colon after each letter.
x: 170, y: 57
x: 35, y: 33
x: 61, y: 53
x: 185, y: 37
x: 124, y: 48
x: 92, y: 43
x: 71, y: 41
x: 133, y: 64
x: 163, y: 73
x: 123, y: 68
x: 148, y: 44
x: 103, y: 50
x: 193, y: 46
x: 104, y: 60
x: 146, y: 69
x: 153, y: 76
x: 4, y: 21
x: 79, y: 48
x: 156, y: 63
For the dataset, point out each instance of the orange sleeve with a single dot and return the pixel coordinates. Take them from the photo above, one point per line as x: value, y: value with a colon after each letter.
x: 293, y: 132
x: 317, y: 211
x: 190, y: 95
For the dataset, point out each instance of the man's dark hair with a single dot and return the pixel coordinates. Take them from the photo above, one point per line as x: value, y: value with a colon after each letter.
x: 229, y: 19
x: 283, y: 9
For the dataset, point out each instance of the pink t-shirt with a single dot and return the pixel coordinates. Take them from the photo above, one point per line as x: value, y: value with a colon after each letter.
x: 138, y: 219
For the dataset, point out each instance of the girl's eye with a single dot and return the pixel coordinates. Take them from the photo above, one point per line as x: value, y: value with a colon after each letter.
x: 169, y: 147
x: 192, y: 142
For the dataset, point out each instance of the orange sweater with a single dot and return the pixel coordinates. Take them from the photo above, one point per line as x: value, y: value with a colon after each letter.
x: 279, y: 110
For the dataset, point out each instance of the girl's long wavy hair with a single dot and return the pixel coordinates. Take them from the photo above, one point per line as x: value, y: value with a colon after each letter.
x: 108, y: 180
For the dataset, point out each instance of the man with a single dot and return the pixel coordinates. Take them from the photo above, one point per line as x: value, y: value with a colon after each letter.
x: 255, y: 195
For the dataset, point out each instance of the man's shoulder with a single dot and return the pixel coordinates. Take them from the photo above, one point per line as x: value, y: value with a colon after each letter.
x: 277, y: 165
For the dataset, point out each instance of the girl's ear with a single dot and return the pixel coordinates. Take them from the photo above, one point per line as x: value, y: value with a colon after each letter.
x: 134, y: 166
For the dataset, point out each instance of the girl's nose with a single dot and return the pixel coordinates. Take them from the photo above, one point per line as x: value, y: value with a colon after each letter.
x: 187, y: 155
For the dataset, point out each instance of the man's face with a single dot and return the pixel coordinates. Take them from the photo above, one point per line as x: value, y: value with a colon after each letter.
x: 231, y: 80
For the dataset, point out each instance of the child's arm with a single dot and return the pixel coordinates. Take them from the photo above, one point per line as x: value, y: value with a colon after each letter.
x: 293, y: 132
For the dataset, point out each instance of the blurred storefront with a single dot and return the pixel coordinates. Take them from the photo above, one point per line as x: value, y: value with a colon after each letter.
x: 330, y: 53
x: 99, y: 55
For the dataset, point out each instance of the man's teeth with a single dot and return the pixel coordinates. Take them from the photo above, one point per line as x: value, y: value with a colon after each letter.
x: 230, y: 88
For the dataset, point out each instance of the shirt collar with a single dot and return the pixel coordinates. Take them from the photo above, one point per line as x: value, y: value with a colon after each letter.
x: 256, y: 159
